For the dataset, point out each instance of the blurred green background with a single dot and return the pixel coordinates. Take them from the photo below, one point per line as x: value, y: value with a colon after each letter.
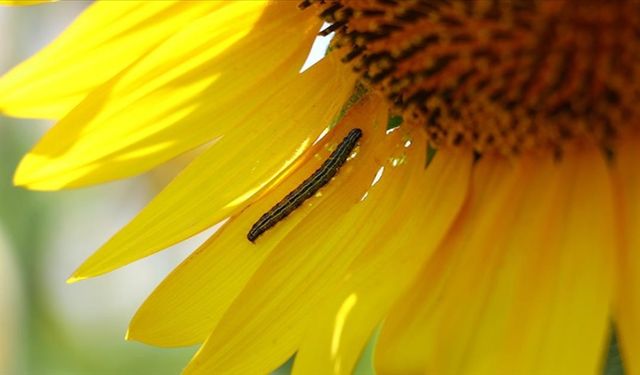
x: 49, y: 327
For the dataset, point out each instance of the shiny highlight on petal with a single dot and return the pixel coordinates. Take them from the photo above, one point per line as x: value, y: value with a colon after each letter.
x: 102, y: 42
x: 389, y: 263
x: 181, y: 95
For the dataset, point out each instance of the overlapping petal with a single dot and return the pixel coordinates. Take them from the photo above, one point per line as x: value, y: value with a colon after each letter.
x: 104, y: 40
x: 522, y: 284
x: 187, y: 305
x: 388, y: 265
x: 219, y: 182
x: 181, y: 95
x: 265, y: 324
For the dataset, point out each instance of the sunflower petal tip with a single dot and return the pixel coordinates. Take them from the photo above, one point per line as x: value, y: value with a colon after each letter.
x: 75, y: 278
x: 23, y: 176
x: 19, y: 180
x: 24, y: 2
x: 28, y: 175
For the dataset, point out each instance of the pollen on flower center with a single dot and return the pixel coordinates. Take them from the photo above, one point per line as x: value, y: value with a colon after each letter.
x: 500, y: 75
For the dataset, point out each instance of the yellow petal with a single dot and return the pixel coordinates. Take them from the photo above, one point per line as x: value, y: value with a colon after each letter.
x: 104, y: 40
x: 628, y: 301
x: 25, y: 2
x: 264, y: 325
x: 387, y: 266
x: 219, y: 182
x: 523, y: 281
x: 200, y: 84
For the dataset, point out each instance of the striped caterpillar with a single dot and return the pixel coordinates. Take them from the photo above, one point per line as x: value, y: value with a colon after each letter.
x: 308, y: 188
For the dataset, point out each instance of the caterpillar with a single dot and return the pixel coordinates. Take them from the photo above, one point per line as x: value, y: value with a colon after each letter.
x: 308, y: 188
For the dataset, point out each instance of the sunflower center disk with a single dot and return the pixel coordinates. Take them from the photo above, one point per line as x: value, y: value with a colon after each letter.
x: 505, y: 76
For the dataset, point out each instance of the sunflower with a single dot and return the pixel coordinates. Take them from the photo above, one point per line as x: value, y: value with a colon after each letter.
x: 491, y: 232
